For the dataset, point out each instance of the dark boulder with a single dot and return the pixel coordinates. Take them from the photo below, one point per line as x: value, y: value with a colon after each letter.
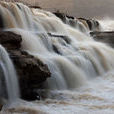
x: 31, y: 71
x: 10, y: 40
x: 1, y: 22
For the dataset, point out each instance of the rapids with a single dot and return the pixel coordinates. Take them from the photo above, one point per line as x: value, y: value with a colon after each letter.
x: 79, y: 65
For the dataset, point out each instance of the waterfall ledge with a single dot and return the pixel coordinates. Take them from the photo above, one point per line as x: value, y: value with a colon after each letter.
x: 31, y: 71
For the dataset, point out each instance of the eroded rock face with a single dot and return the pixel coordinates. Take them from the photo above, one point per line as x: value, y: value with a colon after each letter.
x: 31, y: 71
x: 10, y: 40
x: 91, y: 24
x: 106, y: 37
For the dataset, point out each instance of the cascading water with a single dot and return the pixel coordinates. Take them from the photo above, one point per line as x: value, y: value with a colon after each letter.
x: 8, y: 78
x: 72, y: 56
x: 77, y: 24
x: 72, y: 59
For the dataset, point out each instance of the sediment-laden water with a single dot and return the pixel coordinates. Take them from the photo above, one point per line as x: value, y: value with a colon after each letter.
x: 82, y: 69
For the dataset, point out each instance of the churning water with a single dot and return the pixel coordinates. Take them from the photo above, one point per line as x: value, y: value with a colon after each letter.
x: 82, y: 69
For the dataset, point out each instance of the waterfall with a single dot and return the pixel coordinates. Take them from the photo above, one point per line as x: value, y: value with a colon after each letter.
x: 8, y: 78
x: 77, y: 24
x: 73, y: 57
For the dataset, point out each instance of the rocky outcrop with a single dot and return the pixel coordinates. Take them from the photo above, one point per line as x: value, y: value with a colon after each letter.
x: 62, y: 16
x: 106, y: 37
x: 1, y: 22
x: 65, y: 38
x: 10, y: 40
x: 31, y: 71
x: 91, y: 24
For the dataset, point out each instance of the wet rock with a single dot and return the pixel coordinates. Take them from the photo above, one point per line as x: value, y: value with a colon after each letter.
x: 1, y: 106
x: 31, y: 95
x: 62, y: 16
x: 2, y: 102
x: 65, y: 38
x: 36, y: 7
x: 1, y: 22
x: 106, y: 37
x: 56, y: 49
x: 91, y: 23
x: 29, y: 68
x: 10, y: 40
x: 31, y: 71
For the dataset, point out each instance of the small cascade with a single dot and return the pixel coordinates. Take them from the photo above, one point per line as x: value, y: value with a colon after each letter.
x: 9, y: 88
x: 75, y: 23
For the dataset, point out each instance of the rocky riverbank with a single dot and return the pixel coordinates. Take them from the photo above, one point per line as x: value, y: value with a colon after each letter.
x: 31, y: 71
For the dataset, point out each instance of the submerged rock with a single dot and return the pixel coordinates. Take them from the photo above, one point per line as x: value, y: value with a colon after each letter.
x: 31, y: 71
x: 106, y: 37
